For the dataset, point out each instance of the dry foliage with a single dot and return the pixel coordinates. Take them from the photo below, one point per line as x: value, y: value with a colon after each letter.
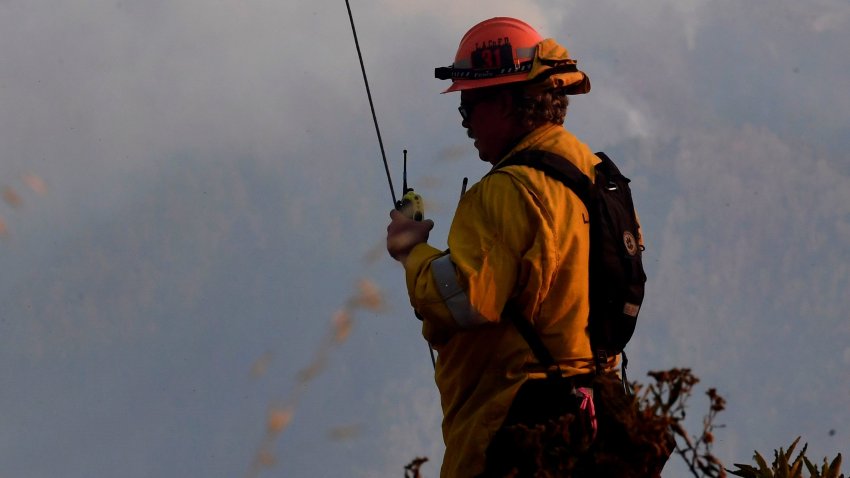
x: 634, y: 439
x: 411, y: 470
x: 665, y: 402
x: 651, y: 426
x: 784, y: 467
x: 637, y: 434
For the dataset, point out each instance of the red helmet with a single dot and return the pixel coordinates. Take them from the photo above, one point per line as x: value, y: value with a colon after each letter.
x: 505, y: 50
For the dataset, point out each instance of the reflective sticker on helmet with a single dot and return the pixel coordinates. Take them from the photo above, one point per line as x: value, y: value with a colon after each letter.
x: 526, y: 52
x: 493, y: 54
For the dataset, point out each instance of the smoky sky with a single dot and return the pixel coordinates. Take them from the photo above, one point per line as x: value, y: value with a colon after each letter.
x: 210, y: 193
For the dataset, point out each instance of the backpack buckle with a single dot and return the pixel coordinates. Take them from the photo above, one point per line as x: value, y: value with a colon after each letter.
x: 601, y: 359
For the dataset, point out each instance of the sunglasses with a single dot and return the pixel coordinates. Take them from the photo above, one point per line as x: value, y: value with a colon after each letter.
x: 465, y: 108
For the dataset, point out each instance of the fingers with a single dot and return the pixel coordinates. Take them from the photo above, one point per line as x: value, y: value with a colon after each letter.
x: 403, y: 234
x: 395, y: 214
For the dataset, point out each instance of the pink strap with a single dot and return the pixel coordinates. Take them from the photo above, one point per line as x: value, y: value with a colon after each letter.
x: 587, y: 406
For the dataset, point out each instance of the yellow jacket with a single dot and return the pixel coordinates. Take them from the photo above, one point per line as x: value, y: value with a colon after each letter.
x: 516, y: 234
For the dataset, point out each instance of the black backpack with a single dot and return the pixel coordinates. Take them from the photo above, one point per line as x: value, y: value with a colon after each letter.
x: 617, y: 277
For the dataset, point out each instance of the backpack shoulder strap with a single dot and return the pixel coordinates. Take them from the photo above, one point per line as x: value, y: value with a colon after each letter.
x: 556, y: 166
x: 565, y: 171
x: 513, y: 312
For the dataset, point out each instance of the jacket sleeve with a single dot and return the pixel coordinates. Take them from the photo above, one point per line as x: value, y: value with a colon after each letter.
x: 491, y: 249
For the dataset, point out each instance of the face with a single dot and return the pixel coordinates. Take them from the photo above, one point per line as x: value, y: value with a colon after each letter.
x: 485, y: 121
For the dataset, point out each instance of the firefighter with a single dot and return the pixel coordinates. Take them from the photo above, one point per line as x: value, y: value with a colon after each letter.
x: 519, y: 241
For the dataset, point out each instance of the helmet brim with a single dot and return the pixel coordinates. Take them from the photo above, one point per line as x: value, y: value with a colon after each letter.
x: 461, y: 85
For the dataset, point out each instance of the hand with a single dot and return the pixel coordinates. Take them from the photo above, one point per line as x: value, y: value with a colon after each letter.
x: 403, y: 234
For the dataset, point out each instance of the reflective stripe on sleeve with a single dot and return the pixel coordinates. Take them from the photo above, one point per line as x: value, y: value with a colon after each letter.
x: 455, y: 298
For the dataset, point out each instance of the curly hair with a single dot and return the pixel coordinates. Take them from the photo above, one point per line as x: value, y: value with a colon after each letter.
x: 536, y: 108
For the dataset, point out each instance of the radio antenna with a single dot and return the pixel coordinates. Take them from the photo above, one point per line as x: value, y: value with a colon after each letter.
x: 371, y: 104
